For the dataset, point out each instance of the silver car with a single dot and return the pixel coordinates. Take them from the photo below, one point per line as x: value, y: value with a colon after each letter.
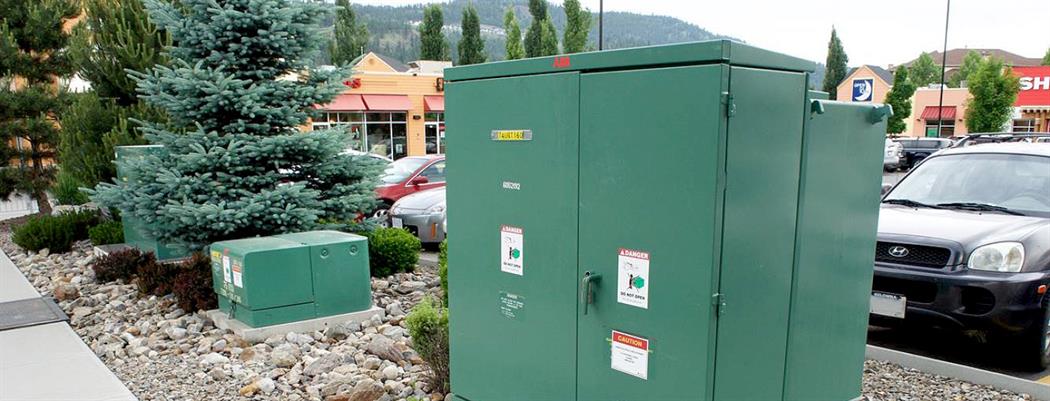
x: 422, y: 214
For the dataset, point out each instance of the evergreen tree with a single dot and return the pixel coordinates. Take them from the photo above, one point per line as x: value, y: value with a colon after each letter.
x: 32, y: 59
x: 1046, y: 58
x: 577, y: 26
x: 114, y: 36
x: 924, y: 71
x: 993, y: 88
x: 515, y: 50
x: 234, y: 163
x: 542, y: 38
x: 351, y: 36
x: 432, y: 40
x: 970, y: 64
x: 836, y: 65
x: 899, y: 97
x: 471, y: 47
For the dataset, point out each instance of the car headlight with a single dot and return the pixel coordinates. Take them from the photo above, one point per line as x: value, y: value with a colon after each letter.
x: 998, y: 257
x: 438, y: 208
x: 395, y: 208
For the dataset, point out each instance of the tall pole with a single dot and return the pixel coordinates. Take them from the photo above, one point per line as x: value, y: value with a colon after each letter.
x: 944, y: 66
x: 601, y: 14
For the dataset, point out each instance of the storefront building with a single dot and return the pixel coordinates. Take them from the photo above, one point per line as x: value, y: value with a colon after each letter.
x: 927, y: 110
x: 1032, y: 109
x: 867, y: 83
x: 389, y: 108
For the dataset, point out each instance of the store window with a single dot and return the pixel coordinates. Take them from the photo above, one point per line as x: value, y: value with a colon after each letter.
x: 947, y: 128
x: 435, y: 133
x: 383, y: 133
x: 1024, y: 125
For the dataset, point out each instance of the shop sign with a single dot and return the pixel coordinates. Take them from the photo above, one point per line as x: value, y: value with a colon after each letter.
x: 863, y: 89
x: 1035, y: 86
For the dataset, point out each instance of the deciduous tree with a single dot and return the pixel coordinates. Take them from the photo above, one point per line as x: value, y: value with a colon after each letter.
x: 899, y: 97
x: 836, y: 65
x: 471, y: 47
x: 1046, y: 58
x: 577, y: 26
x: 433, y: 43
x: 350, y: 36
x: 514, y: 47
x: 924, y: 71
x: 970, y: 63
x: 993, y: 88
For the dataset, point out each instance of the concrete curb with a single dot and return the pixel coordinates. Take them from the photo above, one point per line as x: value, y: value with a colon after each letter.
x: 259, y: 334
x: 961, y: 372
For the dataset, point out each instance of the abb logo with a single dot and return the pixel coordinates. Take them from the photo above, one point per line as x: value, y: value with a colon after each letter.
x: 562, y: 62
x: 353, y: 83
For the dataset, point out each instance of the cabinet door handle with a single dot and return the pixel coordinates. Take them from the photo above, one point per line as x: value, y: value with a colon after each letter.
x: 586, y: 295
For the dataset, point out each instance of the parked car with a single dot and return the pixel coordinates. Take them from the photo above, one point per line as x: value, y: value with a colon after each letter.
x: 406, y: 176
x: 892, y: 155
x: 964, y: 244
x: 354, y: 152
x: 422, y: 214
x: 917, y: 149
x: 999, y: 137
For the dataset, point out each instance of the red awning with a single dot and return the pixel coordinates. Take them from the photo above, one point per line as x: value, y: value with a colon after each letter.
x: 434, y: 103
x: 344, y: 102
x: 931, y: 113
x: 387, y: 102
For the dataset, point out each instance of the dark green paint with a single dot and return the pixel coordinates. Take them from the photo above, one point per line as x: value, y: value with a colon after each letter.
x: 339, y: 267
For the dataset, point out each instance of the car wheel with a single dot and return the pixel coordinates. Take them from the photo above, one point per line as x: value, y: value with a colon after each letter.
x: 381, y: 211
x: 1036, y: 343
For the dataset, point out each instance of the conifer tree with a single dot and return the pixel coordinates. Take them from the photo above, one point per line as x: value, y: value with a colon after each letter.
x: 351, y: 36
x: 514, y: 47
x: 32, y: 59
x: 924, y: 71
x: 471, y: 47
x: 234, y: 163
x: 577, y: 27
x: 432, y: 40
x: 899, y: 98
x: 836, y: 65
x: 542, y: 38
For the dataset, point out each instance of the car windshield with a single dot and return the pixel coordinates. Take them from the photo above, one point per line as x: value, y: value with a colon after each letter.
x: 400, y: 170
x: 1008, y: 183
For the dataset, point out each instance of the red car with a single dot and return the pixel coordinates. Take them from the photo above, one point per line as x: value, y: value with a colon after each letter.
x: 409, y: 175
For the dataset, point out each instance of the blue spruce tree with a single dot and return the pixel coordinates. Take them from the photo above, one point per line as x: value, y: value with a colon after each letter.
x: 234, y: 162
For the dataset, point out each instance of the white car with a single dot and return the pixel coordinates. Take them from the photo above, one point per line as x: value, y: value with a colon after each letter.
x: 892, y: 155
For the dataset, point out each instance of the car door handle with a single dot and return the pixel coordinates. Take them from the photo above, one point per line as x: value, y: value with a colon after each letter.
x: 586, y: 295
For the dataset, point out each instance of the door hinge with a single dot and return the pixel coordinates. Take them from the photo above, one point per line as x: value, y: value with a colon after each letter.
x: 730, y: 106
x: 719, y: 302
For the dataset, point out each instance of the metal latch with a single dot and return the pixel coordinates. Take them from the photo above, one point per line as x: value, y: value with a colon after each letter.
x: 586, y: 295
x: 719, y: 302
x: 730, y: 106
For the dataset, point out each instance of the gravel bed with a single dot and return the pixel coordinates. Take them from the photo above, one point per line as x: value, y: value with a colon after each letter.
x: 163, y: 353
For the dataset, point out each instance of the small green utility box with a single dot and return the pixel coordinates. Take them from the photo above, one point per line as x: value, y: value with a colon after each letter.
x: 136, y: 232
x: 291, y: 277
x: 681, y: 222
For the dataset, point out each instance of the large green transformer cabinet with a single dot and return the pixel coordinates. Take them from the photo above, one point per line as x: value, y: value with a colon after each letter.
x: 682, y: 222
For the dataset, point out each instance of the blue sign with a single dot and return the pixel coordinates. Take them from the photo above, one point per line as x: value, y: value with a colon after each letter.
x: 863, y: 89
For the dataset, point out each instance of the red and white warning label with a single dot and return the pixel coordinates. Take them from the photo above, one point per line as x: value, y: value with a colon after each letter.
x: 632, y: 281
x: 511, y: 250
x: 237, y: 276
x: 630, y: 355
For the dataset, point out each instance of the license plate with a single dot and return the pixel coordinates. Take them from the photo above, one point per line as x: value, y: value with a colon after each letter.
x: 396, y: 223
x: 891, y: 305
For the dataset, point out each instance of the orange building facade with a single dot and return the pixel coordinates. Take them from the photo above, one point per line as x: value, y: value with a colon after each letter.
x: 389, y: 108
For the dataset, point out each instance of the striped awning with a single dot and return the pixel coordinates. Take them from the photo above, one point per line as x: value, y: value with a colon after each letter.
x: 934, y: 112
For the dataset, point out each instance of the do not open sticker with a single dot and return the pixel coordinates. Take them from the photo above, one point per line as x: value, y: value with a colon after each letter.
x: 632, y: 281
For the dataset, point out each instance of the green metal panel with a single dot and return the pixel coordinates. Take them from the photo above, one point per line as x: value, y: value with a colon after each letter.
x: 709, y: 52
x: 513, y: 337
x: 762, y: 172
x: 649, y: 143
x: 838, y: 215
x: 339, y: 263
x: 136, y: 233
x: 274, y: 273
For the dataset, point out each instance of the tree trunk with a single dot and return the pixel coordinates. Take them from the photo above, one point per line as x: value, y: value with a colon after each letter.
x: 42, y: 203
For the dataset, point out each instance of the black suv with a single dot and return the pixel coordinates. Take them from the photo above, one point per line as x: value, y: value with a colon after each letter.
x: 964, y: 243
x: 917, y: 149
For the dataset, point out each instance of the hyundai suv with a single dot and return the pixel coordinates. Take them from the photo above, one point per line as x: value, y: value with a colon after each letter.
x: 964, y: 243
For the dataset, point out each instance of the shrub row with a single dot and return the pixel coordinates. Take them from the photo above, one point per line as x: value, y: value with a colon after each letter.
x: 190, y: 280
x: 428, y: 325
x: 107, y: 232
x: 392, y: 250
x: 56, y: 233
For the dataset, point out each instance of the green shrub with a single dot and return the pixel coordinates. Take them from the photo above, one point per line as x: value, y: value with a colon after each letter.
x: 67, y: 190
x: 107, y: 232
x: 392, y: 250
x: 122, y: 264
x: 56, y: 233
x: 155, y: 278
x: 443, y: 270
x: 428, y: 325
x: 192, y: 286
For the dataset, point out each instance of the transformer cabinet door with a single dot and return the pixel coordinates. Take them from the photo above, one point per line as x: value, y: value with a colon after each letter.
x: 512, y: 195
x: 650, y: 162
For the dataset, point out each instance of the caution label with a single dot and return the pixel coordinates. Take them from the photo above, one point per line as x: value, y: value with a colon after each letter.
x: 630, y: 355
x: 237, y: 267
x: 227, y: 274
x: 632, y: 283
x: 511, y: 250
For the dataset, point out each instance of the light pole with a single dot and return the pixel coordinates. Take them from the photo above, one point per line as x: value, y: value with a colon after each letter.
x: 601, y: 12
x: 944, y: 66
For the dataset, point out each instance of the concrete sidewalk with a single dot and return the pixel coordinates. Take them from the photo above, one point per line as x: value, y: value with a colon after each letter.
x: 48, y: 362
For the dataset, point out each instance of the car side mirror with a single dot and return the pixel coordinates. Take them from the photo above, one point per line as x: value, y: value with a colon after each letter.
x: 419, y: 180
x: 886, y: 188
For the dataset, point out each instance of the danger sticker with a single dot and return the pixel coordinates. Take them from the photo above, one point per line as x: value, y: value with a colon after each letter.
x: 237, y: 280
x: 630, y: 355
x: 226, y: 273
x: 632, y: 284
x: 512, y: 253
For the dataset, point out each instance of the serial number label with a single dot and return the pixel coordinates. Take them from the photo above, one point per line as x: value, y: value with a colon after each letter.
x: 512, y: 135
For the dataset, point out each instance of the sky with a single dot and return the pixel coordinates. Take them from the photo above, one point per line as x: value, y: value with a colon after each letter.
x: 879, y: 32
